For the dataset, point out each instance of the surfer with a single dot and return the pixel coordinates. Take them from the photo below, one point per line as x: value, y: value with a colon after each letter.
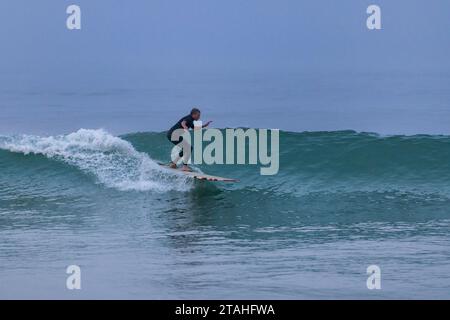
x: 185, y: 123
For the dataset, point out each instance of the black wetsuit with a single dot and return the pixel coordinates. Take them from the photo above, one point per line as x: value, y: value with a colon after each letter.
x: 189, y: 123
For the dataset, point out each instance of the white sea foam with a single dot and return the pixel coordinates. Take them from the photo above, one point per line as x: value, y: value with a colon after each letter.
x: 111, y: 160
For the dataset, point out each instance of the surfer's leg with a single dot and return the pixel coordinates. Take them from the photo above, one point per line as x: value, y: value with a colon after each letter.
x: 173, y: 163
x: 185, y: 166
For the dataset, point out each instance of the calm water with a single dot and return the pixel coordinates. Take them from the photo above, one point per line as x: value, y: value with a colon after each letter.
x: 342, y: 200
x: 130, y: 101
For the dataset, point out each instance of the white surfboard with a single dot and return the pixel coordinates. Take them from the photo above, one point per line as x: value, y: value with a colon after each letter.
x: 198, y: 175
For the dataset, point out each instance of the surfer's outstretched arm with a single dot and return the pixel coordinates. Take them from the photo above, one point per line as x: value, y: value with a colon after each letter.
x: 206, y: 124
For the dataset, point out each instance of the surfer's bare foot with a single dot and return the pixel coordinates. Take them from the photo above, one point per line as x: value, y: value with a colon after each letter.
x: 172, y: 165
x: 186, y: 168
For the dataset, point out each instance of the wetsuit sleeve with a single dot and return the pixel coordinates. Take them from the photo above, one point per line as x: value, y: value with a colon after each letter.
x: 189, y: 122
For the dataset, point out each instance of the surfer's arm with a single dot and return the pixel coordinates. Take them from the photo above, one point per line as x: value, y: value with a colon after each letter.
x: 183, y: 124
x: 206, y: 124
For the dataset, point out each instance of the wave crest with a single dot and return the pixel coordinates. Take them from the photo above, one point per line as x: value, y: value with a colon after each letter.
x: 113, y: 161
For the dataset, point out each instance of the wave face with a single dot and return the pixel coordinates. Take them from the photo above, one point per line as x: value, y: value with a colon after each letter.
x: 342, y: 161
x: 111, y: 160
x: 350, y: 161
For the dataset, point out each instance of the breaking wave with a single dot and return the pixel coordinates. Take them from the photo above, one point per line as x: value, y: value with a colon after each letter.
x: 113, y: 161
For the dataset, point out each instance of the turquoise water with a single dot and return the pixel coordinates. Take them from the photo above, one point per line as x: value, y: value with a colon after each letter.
x: 342, y: 201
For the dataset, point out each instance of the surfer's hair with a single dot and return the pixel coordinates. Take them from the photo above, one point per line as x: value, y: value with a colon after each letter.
x: 194, y: 111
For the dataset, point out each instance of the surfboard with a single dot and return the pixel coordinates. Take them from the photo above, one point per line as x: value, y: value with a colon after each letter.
x: 199, y: 175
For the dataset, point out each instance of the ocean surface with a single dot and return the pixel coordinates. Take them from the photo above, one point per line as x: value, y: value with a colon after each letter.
x: 342, y: 201
x: 364, y: 177
x: 49, y: 101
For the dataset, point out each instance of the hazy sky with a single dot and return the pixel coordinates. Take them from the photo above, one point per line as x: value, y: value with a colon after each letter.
x: 291, y: 64
x: 224, y: 34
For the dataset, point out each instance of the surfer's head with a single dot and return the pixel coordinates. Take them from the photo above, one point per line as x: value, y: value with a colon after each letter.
x: 195, y: 113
